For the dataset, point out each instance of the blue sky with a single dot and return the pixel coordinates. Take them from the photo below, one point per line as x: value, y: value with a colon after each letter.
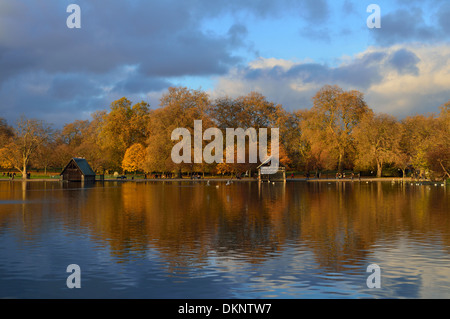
x: 286, y: 50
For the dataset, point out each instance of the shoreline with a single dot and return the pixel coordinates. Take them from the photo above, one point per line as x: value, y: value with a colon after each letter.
x: 304, y: 180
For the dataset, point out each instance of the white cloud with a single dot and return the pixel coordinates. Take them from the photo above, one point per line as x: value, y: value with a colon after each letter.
x: 399, y: 80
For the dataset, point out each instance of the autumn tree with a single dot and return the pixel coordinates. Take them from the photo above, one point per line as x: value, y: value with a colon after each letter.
x: 314, y: 151
x: 377, y: 141
x: 418, y: 133
x: 134, y: 158
x: 252, y: 111
x: 123, y: 126
x: 29, y: 135
x: 402, y: 159
x: 6, y: 132
x: 180, y: 107
x: 44, y: 156
x: 333, y: 117
x: 291, y: 139
x: 74, y: 133
x: 438, y: 152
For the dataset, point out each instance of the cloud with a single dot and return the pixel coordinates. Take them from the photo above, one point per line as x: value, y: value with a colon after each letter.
x: 399, y: 80
x: 164, y: 37
x: 405, y: 62
x: 133, y: 48
x: 414, y: 22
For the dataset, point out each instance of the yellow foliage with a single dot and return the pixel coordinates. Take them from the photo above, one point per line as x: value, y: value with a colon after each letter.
x: 134, y: 158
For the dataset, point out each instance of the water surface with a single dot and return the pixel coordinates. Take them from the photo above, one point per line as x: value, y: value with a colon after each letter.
x: 246, y: 240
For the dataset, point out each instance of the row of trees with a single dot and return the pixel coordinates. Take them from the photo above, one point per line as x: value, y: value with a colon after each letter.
x: 340, y: 132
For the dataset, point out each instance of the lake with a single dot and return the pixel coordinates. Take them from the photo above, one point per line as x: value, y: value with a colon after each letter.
x: 246, y: 240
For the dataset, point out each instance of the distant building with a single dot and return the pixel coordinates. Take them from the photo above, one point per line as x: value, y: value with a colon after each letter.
x: 78, y: 170
x: 278, y: 176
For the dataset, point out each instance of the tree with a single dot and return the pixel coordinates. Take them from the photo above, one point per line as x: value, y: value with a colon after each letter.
x: 377, y: 140
x: 180, y: 107
x: 44, y: 156
x: 314, y: 150
x: 250, y: 111
x: 6, y: 132
x: 125, y: 125
x: 30, y: 134
x: 73, y: 133
x: 438, y: 153
x: 333, y: 117
x: 134, y: 158
x: 418, y: 136
x: 292, y: 143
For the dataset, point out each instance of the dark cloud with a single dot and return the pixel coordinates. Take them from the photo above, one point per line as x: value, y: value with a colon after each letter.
x: 310, y: 72
x: 443, y: 18
x: 405, y: 62
x: 140, y: 84
x: 361, y: 72
x: 404, y: 26
x: 348, y: 7
x: 164, y: 37
x: 46, y: 67
x: 428, y: 23
x: 316, y: 11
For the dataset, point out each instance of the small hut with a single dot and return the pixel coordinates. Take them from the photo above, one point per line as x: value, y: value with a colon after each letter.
x: 78, y: 170
x: 266, y: 174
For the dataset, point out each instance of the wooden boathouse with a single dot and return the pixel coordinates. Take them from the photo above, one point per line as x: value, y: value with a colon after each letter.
x: 78, y: 170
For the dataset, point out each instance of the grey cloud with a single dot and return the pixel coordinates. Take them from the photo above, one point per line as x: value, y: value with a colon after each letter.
x: 316, y: 11
x: 310, y: 72
x: 348, y: 7
x: 164, y: 37
x: 139, y: 84
x: 405, y: 62
x: 71, y: 86
x: 115, y: 33
x: 410, y: 24
x: 361, y: 72
x: 443, y: 17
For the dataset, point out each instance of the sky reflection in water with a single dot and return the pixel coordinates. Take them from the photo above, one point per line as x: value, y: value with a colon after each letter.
x: 246, y: 240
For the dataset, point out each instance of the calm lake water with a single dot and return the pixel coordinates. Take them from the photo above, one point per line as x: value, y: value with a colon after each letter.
x: 246, y: 240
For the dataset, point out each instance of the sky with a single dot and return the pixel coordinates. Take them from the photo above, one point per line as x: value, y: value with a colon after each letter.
x: 285, y: 49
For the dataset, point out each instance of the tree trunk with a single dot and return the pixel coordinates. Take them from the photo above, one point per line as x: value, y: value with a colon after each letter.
x: 340, y: 163
x: 24, y: 171
x: 379, y: 169
x: 443, y: 168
